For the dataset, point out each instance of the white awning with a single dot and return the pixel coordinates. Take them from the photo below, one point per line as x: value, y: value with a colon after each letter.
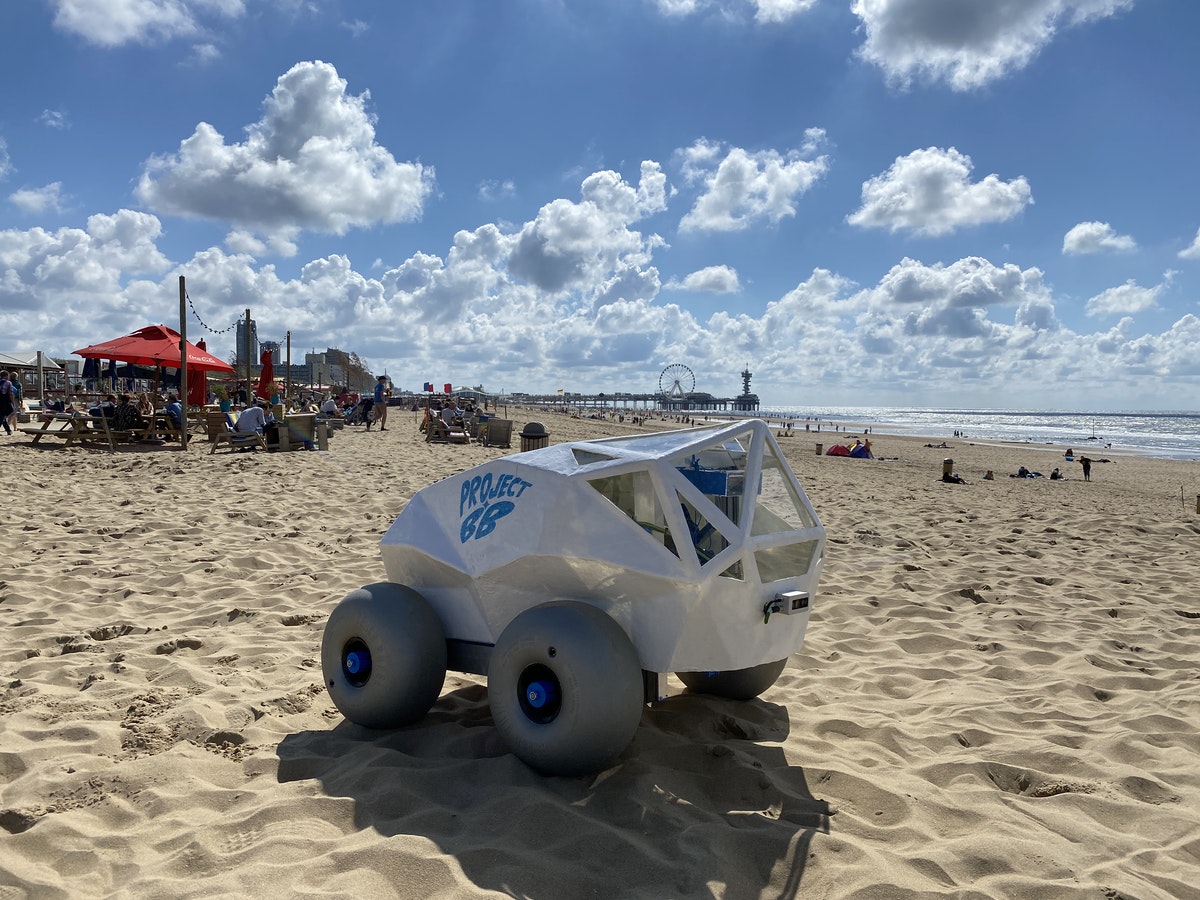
x: 28, y: 360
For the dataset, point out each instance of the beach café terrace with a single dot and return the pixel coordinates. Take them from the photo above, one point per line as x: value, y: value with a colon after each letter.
x: 140, y: 364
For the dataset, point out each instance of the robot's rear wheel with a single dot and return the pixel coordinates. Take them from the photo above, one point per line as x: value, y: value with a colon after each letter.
x: 735, y: 684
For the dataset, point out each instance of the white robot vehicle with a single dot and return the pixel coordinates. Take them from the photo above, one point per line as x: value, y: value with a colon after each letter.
x: 576, y: 577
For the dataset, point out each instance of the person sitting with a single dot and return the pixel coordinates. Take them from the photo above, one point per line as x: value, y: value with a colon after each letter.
x: 253, y: 419
x: 106, y: 407
x: 1056, y: 475
x: 126, y: 416
x: 450, y: 414
x: 145, y: 405
x: 329, y: 407
x: 174, y: 411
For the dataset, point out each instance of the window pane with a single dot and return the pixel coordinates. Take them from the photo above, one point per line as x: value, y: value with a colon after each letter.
x: 778, y: 506
x: 633, y: 494
x: 776, y: 563
x: 704, y: 535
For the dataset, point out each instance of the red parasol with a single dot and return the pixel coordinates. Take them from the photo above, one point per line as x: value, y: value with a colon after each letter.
x: 154, y: 345
x: 198, y: 385
x: 266, y: 378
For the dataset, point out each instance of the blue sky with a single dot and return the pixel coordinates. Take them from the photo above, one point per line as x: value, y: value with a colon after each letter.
x: 867, y: 202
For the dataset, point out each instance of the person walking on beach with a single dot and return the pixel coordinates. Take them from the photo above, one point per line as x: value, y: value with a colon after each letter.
x: 379, y: 407
x: 1087, y: 468
x: 7, y: 401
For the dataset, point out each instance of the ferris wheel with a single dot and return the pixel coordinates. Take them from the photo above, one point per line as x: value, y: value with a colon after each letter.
x: 676, y: 380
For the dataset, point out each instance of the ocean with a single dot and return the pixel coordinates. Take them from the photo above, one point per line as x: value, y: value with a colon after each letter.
x: 1164, y: 434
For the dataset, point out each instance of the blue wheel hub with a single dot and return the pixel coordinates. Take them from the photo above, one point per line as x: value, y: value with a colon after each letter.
x: 356, y: 662
x: 540, y: 694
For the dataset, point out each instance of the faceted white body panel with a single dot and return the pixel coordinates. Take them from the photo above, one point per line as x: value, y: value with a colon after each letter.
x: 700, y: 543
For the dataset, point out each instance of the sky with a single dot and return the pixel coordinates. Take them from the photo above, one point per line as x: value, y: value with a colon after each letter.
x: 943, y: 203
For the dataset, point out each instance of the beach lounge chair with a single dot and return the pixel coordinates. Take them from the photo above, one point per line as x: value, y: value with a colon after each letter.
x: 214, y: 424
x: 436, y: 432
x: 221, y: 434
x: 497, y: 432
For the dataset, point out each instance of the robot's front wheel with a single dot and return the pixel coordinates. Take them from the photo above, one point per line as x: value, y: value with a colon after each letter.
x: 565, y: 688
x: 383, y: 655
x: 735, y: 684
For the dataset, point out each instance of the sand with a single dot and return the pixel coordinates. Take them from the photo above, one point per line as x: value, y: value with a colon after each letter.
x: 999, y: 694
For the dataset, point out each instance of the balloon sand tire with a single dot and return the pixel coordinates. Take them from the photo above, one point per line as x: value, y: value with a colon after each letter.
x: 565, y: 688
x: 736, y: 684
x: 383, y: 655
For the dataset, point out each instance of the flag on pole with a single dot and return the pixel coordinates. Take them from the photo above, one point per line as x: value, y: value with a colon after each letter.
x: 446, y: 388
x: 428, y: 387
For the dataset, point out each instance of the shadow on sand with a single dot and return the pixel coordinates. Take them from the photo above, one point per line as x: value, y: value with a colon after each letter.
x: 704, y: 796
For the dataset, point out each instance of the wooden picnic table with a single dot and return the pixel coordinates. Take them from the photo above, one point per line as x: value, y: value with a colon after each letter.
x: 73, y: 428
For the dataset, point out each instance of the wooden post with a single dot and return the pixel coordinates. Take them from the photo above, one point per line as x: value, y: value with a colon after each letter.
x: 287, y: 387
x: 183, y: 384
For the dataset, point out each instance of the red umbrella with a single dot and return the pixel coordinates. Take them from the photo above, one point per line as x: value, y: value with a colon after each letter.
x: 154, y: 345
x: 198, y: 386
x: 266, y: 378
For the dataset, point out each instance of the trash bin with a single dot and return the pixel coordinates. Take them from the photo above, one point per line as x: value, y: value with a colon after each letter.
x: 820, y: 449
x: 534, y: 436
x: 947, y: 468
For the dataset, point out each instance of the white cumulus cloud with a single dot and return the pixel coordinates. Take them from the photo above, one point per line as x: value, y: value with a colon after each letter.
x: 1192, y: 251
x: 570, y: 245
x: 1095, y: 237
x: 966, y: 44
x: 710, y: 279
x: 741, y: 188
x: 765, y: 11
x: 310, y: 163
x: 74, y: 276
x: 39, y: 200
x: 930, y: 192
x: 111, y: 23
x: 1124, y: 299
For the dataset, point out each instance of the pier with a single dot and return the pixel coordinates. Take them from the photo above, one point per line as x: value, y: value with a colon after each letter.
x: 696, y: 401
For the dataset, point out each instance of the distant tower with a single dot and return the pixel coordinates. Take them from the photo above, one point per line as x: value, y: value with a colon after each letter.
x: 747, y: 402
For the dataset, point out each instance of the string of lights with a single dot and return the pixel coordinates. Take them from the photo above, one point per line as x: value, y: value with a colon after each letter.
x: 210, y: 329
x: 204, y: 324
